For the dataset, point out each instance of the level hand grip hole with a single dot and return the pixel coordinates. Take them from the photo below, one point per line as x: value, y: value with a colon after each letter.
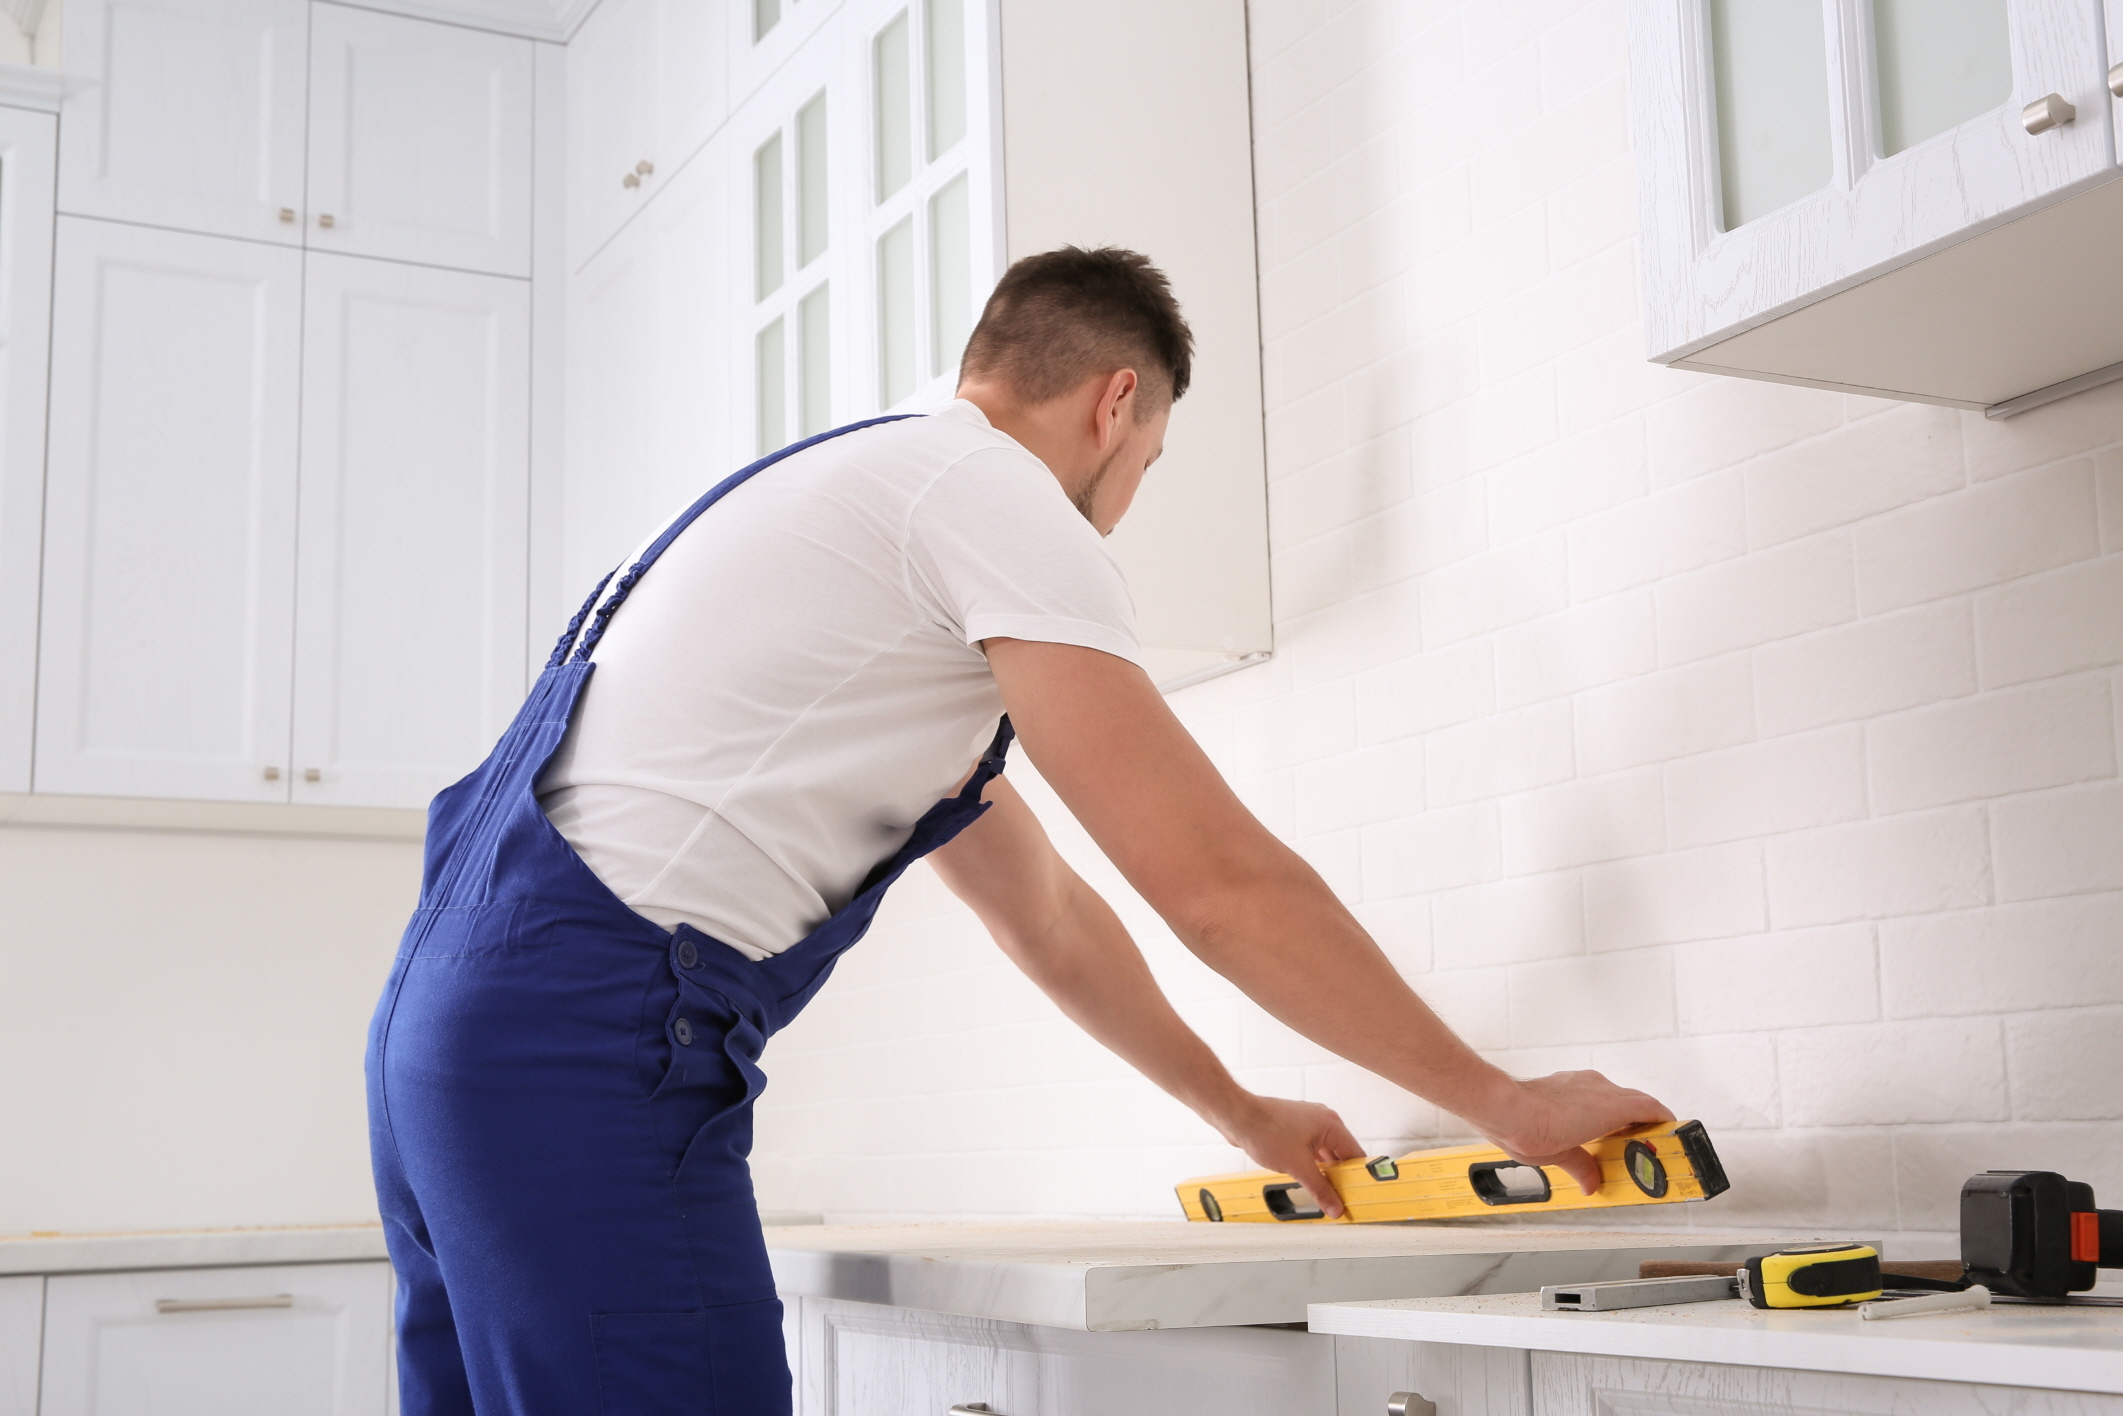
x: 1506, y: 1182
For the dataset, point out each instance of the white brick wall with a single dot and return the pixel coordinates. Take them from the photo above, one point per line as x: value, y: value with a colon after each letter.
x: 1755, y: 744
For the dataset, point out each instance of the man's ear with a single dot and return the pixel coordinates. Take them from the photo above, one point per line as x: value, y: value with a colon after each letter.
x: 1116, y: 404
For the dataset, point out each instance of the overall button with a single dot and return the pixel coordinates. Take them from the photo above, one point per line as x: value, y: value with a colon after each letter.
x: 687, y: 954
x: 683, y: 1030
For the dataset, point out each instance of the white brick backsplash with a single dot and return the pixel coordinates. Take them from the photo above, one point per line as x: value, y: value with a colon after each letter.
x: 1667, y: 899
x: 1503, y: 587
x: 1313, y: 575
x: 2042, y: 954
x: 1475, y: 1003
x: 1601, y: 998
x: 1492, y: 757
x: 1377, y: 1112
x: 1661, y: 716
x: 1339, y: 491
x: 1901, y: 456
x: 1587, y: 132
x: 1301, y: 431
x: 1860, y: 670
x: 1308, y: 723
x: 2065, y: 1064
x: 1596, y: 469
x: 1877, y: 869
x: 1573, y: 307
x: 2108, y: 482
x: 1807, y: 978
x: 1727, y: 1083
x: 1360, y: 787
x: 2013, y: 741
x: 1833, y: 1181
x: 1722, y: 422
x: 1509, y: 922
x: 1658, y: 536
x: 1944, y: 1069
x: 1998, y: 447
x: 2052, y: 624
x: 1401, y: 928
x: 1593, y: 213
x: 1991, y: 533
x: 1500, y: 423
x: 1581, y: 823
x: 1611, y: 377
x: 1577, y: 648
x: 1421, y: 534
x: 1787, y: 784
x: 1770, y: 595
x: 1932, y: 1161
x: 1428, y: 692
x: 2058, y: 843
x: 1361, y: 632
x: 1436, y: 850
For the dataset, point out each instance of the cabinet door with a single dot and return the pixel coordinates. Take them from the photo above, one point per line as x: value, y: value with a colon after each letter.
x: 1570, y: 1384
x: 420, y: 142
x: 692, y: 79
x: 292, y: 1340
x: 611, y: 120
x: 26, y: 156
x: 1468, y: 1381
x: 1843, y: 203
x: 21, y: 1340
x: 192, y: 116
x: 612, y: 327
x: 164, y: 661
x: 413, y: 550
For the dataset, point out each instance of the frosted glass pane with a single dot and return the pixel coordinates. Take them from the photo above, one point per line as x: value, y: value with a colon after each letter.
x: 950, y: 276
x: 811, y: 229
x: 946, y: 48
x: 1770, y: 59
x: 1941, y: 63
x: 895, y: 109
x: 895, y: 313
x: 814, y: 359
x: 773, y: 379
x: 766, y: 217
x: 765, y: 15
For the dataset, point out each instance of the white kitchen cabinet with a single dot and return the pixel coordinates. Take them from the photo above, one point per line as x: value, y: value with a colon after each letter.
x: 1462, y: 1381
x: 861, y: 1359
x: 410, y: 617
x: 1868, y: 199
x: 191, y: 116
x: 26, y: 167
x: 21, y: 1343
x: 419, y: 142
x: 647, y: 87
x: 169, y: 552
x: 1571, y: 1384
x: 284, y: 1340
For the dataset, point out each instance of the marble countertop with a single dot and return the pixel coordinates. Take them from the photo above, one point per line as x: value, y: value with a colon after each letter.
x: 197, y: 1248
x: 1156, y: 1274
x: 2009, y: 1344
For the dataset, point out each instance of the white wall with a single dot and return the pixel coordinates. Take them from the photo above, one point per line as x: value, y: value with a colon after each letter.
x: 181, y: 1024
x: 1756, y: 745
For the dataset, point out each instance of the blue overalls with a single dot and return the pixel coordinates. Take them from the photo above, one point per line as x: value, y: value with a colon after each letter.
x: 560, y: 1101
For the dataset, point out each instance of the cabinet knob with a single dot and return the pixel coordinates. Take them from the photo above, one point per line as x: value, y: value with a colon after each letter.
x: 326, y: 221
x: 1408, y: 1403
x: 2046, y: 112
x: 311, y: 774
x: 644, y: 167
x: 630, y: 180
x: 272, y: 774
x: 2115, y: 81
x: 287, y: 213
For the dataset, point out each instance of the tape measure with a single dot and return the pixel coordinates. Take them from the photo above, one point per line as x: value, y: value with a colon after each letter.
x: 1818, y: 1277
x: 1663, y: 1163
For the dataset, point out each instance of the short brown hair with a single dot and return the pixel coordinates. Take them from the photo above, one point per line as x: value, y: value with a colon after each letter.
x: 1064, y: 316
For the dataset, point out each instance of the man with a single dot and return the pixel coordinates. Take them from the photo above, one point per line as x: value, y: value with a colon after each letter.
x: 658, y: 867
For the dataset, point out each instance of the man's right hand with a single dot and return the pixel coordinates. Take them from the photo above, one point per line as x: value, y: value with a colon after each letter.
x: 1546, y: 1121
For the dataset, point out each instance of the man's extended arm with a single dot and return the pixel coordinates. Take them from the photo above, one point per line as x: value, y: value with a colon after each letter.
x: 1251, y: 909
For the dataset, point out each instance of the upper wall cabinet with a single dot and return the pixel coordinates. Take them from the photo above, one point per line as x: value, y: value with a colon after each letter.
x: 420, y: 142
x: 1909, y: 198
x: 26, y: 161
x: 326, y: 126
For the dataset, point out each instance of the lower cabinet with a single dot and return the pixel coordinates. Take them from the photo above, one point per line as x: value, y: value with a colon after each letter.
x: 1566, y: 1384
x: 860, y: 1359
x: 1461, y: 1381
x: 283, y: 1340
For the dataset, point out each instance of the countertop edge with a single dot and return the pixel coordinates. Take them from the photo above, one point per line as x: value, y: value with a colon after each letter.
x: 223, y: 1248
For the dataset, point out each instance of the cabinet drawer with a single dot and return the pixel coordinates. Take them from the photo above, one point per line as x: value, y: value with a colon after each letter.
x: 285, y: 1340
x: 1567, y: 1384
x: 859, y: 1359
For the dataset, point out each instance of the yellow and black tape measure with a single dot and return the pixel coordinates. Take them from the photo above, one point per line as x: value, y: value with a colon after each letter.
x: 1644, y: 1165
x: 1818, y: 1277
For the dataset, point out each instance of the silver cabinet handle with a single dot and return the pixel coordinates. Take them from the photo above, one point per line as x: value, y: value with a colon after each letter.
x: 973, y: 1408
x: 1408, y: 1403
x: 222, y: 1305
x: 312, y: 774
x: 272, y: 774
x: 644, y: 167
x: 2046, y: 112
x: 2115, y: 81
x: 632, y: 179
x: 326, y: 221
x: 287, y: 213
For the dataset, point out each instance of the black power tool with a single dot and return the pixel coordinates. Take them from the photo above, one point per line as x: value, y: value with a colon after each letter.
x: 2034, y: 1234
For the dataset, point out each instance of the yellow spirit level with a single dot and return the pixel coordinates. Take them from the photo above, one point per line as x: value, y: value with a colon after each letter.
x: 1644, y: 1165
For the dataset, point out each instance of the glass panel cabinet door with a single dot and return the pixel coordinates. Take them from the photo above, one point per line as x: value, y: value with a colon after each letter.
x: 1937, y: 64
x: 1769, y: 61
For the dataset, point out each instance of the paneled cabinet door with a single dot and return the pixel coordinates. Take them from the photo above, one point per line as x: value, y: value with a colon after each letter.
x: 611, y: 122
x: 26, y: 156
x: 415, y: 491
x: 21, y: 1340
x: 164, y: 661
x: 282, y: 1340
x: 193, y: 116
x: 420, y: 142
x: 612, y: 373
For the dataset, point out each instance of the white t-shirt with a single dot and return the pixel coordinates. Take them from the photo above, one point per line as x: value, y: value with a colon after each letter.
x: 799, y: 678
